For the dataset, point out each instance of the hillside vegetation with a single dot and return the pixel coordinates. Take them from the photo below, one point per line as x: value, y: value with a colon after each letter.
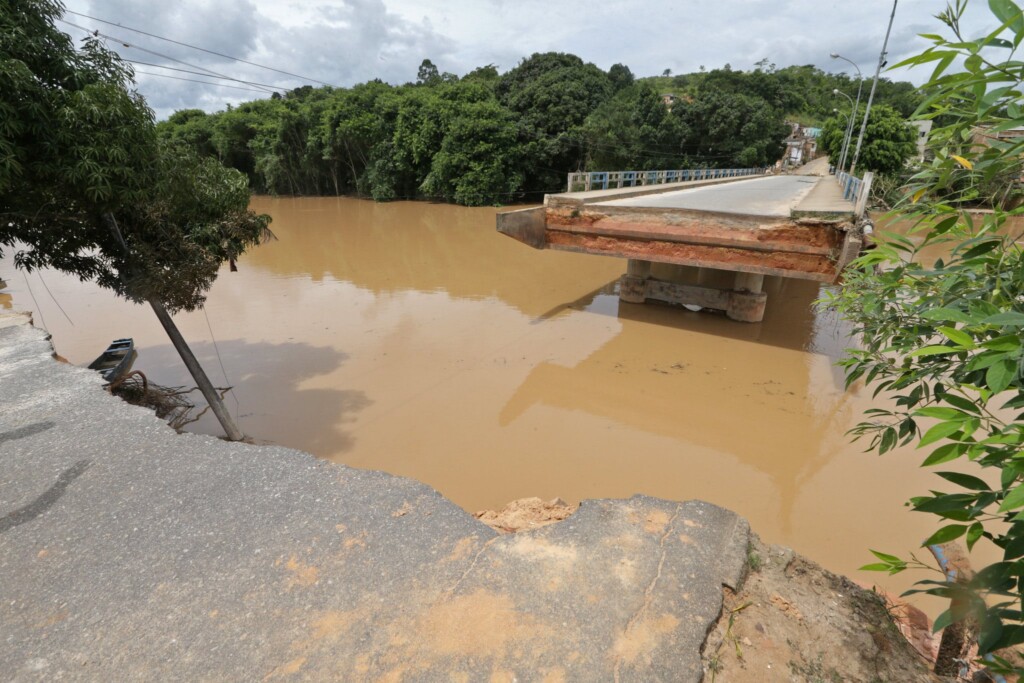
x: 488, y: 138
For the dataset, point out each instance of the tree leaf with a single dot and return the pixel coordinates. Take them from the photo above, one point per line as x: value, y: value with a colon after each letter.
x: 933, y: 351
x: 945, y: 453
x: 1013, y: 500
x: 940, y: 413
x: 1010, y: 318
x: 946, y: 534
x: 1008, y: 342
x: 885, y: 557
x: 999, y: 375
x: 974, y: 533
x: 963, y: 162
x: 965, y: 480
x: 958, y: 337
x: 946, y: 315
x: 939, y: 432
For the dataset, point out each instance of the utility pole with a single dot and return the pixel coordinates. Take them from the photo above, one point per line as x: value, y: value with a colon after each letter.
x: 849, y: 129
x: 197, y: 372
x: 856, y: 108
x: 187, y: 357
x: 874, y: 84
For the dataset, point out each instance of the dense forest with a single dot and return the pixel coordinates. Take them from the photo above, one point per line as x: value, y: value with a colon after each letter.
x: 488, y: 138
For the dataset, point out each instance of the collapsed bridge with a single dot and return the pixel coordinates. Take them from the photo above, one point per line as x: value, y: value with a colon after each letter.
x: 682, y: 239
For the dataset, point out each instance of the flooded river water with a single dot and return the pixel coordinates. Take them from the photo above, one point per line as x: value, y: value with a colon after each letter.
x: 413, y: 338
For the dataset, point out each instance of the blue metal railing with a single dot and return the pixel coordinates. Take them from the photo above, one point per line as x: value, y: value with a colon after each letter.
x: 603, y: 180
x: 850, y: 184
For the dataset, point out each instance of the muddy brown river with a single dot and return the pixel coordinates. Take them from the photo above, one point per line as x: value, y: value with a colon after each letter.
x: 412, y: 338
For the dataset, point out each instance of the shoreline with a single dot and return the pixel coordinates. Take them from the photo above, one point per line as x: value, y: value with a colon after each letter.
x: 131, y: 550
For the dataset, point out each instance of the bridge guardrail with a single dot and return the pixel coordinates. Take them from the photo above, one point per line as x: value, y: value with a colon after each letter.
x: 855, y: 189
x: 603, y: 180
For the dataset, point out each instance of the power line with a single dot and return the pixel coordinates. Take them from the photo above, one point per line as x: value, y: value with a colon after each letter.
x: 194, y: 80
x: 47, y: 287
x: 161, y: 55
x: 197, y: 73
x: 201, y: 49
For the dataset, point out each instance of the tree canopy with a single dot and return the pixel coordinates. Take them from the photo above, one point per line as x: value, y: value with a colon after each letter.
x: 888, y: 140
x: 514, y: 135
x: 79, y: 155
x: 89, y: 188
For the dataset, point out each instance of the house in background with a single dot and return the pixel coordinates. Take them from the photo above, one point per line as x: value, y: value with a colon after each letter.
x: 924, y: 127
x: 801, y: 145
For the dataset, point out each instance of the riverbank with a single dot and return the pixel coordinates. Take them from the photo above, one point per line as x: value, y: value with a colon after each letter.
x: 130, y: 551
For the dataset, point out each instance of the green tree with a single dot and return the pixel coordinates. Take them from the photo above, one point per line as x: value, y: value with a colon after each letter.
x: 620, y: 77
x: 86, y: 188
x: 552, y: 94
x: 833, y: 134
x: 477, y: 163
x: 633, y: 130
x: 721, y: 129
x: 888, y: 142
x: 944, y: 338
x: 427, y: 73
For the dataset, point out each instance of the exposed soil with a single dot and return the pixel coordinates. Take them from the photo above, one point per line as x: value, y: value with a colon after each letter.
x: 525, y: 514
x: 794, y: 621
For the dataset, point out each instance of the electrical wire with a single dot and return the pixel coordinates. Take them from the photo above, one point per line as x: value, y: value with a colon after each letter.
x: 221, y: 361
x: 193, y: 80
x: 201, y: 49
x: 160, y: 54
x: 47, y: 287
x: 39, y: 308
x: 187, y: 71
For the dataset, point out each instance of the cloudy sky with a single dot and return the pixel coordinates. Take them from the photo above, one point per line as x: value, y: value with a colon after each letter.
x: 343, y: 42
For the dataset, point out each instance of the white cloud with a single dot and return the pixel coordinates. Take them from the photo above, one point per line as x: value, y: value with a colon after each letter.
x: 344, y: 42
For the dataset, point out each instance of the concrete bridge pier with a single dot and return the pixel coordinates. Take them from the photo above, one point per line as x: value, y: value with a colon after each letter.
x: 633, y: 285
x: 745, y: 302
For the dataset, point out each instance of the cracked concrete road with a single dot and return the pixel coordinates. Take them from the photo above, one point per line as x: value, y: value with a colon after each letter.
x: 130, y: 552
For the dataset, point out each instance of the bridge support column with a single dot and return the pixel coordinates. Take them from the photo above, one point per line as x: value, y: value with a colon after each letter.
x: 744, y: 302
x: 633, y: 285
x: 747, y: 301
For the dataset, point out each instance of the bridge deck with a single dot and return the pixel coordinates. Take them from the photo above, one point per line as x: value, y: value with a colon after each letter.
x: 788, y: 226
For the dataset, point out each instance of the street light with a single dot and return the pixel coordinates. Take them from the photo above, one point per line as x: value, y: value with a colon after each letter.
x: 849, y: 128
x: 846, y: 138
x: 874, y: 84
x: 856, y: 106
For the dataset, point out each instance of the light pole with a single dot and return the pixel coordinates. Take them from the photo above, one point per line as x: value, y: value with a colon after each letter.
x: 849, y: 129
x: 846, y: 137
x: 856, y: 106
x: 874, y: 84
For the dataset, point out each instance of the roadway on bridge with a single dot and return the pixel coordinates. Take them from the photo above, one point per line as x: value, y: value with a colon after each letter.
x: 771, y: 196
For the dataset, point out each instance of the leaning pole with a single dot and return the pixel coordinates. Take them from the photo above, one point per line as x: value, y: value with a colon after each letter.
x: 874, y: 84
x: 187, y: 357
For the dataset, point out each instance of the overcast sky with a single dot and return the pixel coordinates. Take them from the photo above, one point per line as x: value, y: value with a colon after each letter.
x: 343, y: 42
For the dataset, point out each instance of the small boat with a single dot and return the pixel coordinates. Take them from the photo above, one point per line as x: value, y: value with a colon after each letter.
x: 116, y: 361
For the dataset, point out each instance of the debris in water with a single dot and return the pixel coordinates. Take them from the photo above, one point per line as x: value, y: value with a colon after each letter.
x: 171, y: 404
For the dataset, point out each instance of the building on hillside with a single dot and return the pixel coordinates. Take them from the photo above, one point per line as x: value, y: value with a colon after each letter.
x: 985, y: 136
x: 801, y: 145
x: 924, y: 127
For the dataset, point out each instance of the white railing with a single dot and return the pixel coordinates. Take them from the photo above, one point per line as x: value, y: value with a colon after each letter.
x: 603, y: 180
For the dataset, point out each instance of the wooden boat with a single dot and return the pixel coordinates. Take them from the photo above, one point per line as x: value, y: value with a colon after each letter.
x: 116, y: 361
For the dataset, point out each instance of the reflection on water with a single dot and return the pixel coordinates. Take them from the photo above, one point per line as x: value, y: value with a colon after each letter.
x: 413, y: 338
